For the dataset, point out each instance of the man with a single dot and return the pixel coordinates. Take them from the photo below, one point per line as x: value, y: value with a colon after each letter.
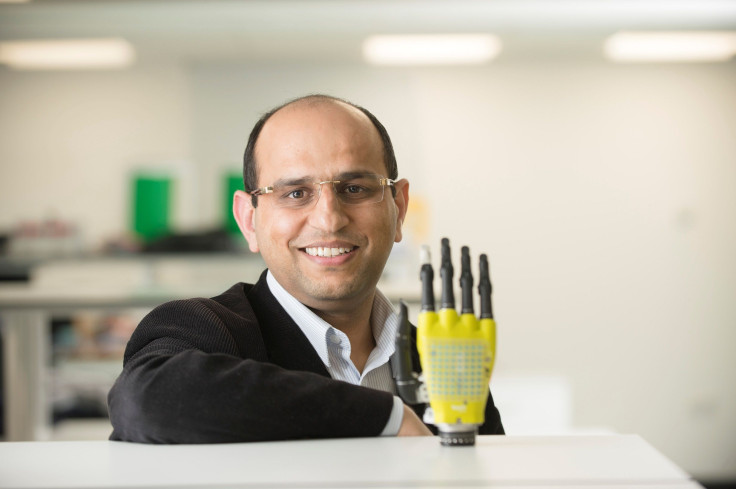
x: 304, y: 352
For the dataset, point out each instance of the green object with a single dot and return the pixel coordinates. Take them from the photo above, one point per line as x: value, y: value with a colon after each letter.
x: 151, y: 206
x: 233, y: 182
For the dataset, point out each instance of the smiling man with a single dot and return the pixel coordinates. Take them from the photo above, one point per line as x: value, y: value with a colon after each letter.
x: 304, y: 352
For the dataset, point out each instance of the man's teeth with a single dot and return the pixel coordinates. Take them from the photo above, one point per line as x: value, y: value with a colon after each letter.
x: 320, y: 251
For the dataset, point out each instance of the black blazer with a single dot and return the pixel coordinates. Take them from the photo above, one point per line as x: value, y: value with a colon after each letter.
x: 237, y: 368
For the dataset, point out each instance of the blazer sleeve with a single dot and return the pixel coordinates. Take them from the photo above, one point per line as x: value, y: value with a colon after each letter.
x: 492, y: 424
x: 186, y: 379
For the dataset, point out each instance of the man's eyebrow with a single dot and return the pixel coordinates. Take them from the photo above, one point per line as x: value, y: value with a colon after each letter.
x: 352, y: 174
x: 288, y: 182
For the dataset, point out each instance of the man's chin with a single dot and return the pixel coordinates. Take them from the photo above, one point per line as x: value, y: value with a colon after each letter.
x: 324, y: 294
x: 332, y: 292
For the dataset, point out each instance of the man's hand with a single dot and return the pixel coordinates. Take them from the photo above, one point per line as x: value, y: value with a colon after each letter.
x: 411, y: 425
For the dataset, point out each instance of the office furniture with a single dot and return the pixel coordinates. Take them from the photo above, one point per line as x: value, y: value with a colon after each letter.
x: 614, y: 461
x: 66, y: 286
x: 107, y: 284
x: 25, y: 315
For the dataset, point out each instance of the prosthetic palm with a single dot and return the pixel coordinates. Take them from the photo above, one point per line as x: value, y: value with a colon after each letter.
x: 456, y: 351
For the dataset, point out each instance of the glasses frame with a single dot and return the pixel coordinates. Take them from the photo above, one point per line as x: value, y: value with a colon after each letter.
x: 382, y: 181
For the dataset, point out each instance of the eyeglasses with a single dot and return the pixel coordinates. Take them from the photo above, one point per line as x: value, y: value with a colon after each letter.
x: 350, y: 189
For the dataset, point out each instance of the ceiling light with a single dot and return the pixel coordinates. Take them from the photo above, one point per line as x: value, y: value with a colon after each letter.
x: 67, y: 54
x: 431, y: 49
x: 671, y: 46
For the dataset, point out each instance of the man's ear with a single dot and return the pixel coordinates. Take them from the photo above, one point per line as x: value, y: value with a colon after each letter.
x: 245, y: 216
x: 402, y: 203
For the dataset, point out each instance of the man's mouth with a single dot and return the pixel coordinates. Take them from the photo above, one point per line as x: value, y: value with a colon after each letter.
x: 328, y: 252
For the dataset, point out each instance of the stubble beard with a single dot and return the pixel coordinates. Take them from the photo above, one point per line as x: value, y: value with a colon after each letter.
x: 337, y: 288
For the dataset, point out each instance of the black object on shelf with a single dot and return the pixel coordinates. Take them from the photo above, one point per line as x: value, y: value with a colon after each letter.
x: 217, y: 240
x: 15, y: 270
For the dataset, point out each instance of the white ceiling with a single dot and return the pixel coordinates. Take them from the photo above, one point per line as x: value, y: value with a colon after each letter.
x: 308, y: 30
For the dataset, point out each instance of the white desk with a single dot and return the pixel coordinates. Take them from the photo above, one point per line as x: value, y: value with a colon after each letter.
x: 495, y: 461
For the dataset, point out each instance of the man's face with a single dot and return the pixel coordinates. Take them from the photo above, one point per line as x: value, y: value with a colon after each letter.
x: 320, y: 142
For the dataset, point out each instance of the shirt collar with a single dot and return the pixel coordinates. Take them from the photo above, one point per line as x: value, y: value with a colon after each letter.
x: 384, y: 322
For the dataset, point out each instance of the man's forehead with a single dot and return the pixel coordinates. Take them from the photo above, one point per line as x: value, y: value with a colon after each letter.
x: 317, y: 101
x: 317, y: 124
x: 300, y: 112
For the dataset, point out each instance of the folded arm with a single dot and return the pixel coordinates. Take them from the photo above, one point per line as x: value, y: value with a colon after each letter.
x: 185, y: 380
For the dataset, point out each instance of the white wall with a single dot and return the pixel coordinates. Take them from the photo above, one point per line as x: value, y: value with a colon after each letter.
x: 607, y: 193
x: 604, y: 195
x: 71, y: 140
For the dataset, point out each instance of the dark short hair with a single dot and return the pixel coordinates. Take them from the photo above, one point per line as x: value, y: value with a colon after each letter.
x: 250, y: 170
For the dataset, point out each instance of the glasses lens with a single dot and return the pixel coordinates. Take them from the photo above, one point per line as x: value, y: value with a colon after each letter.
x: 295, y: 196
x: 365, y: 189
x: 355, y: 190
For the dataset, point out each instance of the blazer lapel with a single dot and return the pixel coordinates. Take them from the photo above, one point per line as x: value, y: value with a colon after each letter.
x: 286, y: 344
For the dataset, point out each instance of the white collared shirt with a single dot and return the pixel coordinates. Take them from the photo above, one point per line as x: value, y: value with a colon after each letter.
x: 333, y: 346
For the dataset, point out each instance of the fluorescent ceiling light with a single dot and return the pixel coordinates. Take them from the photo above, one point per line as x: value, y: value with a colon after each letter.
x: 431, y: 49
x: 67, y: 54
x: 671, y: 46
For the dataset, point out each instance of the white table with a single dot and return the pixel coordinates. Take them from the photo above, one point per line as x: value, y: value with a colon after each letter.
x: 496, y: 461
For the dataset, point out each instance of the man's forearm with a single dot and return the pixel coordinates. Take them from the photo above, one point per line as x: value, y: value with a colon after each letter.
x: 194, y: 397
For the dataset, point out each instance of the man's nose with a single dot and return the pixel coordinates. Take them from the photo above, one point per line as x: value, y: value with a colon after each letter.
x: 328, y: 214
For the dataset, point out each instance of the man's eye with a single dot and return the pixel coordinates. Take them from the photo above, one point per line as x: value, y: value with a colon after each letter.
x: 295, y: 194
x: 354, y: 188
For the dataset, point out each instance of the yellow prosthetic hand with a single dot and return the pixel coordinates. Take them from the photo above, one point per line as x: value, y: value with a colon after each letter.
x: 457, y: 351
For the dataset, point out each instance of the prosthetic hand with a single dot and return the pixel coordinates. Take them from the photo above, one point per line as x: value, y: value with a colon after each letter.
x: 456, y: 352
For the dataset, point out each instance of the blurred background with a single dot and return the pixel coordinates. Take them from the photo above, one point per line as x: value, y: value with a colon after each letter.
x: 589, y: 147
